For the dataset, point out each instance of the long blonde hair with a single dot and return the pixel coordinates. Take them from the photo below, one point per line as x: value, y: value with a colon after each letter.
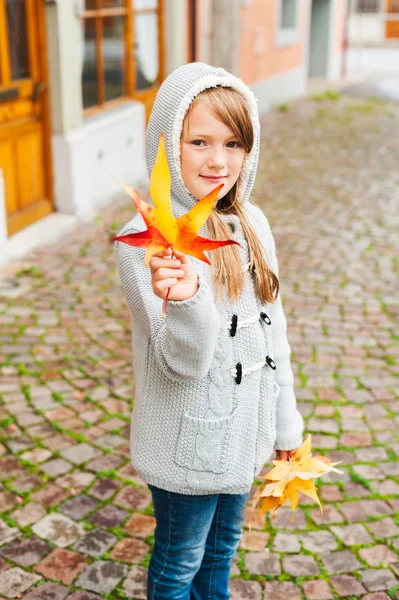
x: 231, y: 108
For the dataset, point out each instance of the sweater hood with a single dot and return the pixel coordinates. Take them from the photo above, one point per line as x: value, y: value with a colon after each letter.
x: 173, y: 99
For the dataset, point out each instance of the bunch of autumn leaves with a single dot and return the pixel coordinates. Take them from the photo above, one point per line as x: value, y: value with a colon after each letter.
x: 288, y: 478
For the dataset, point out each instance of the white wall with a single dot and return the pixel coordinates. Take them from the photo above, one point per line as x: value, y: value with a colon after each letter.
x: 111, y: 144
x: 380, y: 63
x: 280, y: 88
x: 366, y: 29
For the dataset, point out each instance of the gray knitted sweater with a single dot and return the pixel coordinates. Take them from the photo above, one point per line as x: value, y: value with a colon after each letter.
x: 214, y: 386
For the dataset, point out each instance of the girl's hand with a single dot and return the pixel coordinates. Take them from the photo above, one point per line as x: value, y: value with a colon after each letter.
x: 284, y: 454
x: 178, y: 274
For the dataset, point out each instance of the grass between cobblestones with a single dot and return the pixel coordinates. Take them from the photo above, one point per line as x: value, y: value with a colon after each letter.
x: 328, y: 183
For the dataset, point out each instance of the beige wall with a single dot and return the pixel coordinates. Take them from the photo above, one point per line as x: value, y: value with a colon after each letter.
x: 259, y: 56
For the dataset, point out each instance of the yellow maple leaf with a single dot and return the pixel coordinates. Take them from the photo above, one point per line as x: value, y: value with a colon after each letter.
x: 164, y: 231
x: 290, y: 477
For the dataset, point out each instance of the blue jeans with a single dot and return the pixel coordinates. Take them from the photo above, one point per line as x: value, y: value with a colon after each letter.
x: 196, y: 538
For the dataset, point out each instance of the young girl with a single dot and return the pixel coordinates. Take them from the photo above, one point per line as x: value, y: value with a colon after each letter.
x: 214, y: 385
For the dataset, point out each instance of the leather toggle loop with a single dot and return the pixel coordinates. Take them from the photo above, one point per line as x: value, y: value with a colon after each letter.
x: 234, y: 323
x: 238, y: 377
x: 271, y: 362
x: 265, y: 318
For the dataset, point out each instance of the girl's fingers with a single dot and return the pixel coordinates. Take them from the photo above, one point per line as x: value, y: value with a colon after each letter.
x: 157, y: 262
x: 163, y: 253
x: 162, y: 285
x: 162, y: 259
x: 282, y: 454
x: 164, y: 273
x: 169, y: 252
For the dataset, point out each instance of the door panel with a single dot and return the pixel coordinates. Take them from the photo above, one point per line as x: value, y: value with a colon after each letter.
x: 24, y: 115
x: 29, y: 153
x: 7, y: 164
x: 319, y: 44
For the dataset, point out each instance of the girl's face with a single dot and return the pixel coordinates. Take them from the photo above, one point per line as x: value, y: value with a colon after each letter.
x: 210, y: 153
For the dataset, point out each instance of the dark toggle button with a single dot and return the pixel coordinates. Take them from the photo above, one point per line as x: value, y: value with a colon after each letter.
x: 233, y: 328
x: 265, y: 318
x: 239, y: 373
x: 271, y: 363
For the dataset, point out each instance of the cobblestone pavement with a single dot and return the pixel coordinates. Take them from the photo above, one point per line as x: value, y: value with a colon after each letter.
x: 77, y: 521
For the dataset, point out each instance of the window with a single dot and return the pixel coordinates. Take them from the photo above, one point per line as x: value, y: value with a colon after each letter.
x: 287, y: 31
x: 122, y: 41
x: 17, y: 40
x: 288, y: 15
x: 368, y: 6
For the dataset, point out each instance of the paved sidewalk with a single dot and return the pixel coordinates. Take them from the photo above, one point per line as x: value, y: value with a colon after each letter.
x: 76, y: 520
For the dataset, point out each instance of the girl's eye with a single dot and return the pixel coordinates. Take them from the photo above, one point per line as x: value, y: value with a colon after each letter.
x: 197, y: 142
x: 233, y: 145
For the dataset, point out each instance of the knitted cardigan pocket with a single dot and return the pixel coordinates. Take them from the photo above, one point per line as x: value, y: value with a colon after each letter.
x: 204, y: 444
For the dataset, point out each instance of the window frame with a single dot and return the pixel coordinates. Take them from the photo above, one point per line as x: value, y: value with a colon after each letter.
x: 286, y: 36
x: 6, y: 76
x: 128, y: 11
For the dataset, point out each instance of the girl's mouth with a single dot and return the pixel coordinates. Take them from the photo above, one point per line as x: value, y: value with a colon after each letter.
x: 214, y: 179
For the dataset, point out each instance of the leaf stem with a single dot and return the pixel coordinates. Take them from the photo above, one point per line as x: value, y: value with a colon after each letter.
x: 165, y: 304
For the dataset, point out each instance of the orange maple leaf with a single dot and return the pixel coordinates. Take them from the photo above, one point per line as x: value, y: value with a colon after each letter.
x: 163, y: 229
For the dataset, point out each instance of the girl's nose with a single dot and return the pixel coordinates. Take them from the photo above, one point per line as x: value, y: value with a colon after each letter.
x: 216, y: 160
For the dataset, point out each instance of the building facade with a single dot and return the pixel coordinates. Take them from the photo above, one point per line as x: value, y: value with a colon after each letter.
x: 78, y: 79
x: 373, y: 22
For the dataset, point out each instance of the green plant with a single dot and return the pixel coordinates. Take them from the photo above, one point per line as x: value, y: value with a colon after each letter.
x: 327, y: 95
x: 32, y: 271
x: 7, y: 421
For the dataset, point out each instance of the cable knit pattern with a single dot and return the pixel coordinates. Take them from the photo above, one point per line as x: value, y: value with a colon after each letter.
x: 209, y: 407
x: 221, y: 391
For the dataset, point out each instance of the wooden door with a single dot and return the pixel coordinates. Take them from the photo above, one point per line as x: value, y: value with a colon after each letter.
x: 392, y: 23
x: 24, y: 113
